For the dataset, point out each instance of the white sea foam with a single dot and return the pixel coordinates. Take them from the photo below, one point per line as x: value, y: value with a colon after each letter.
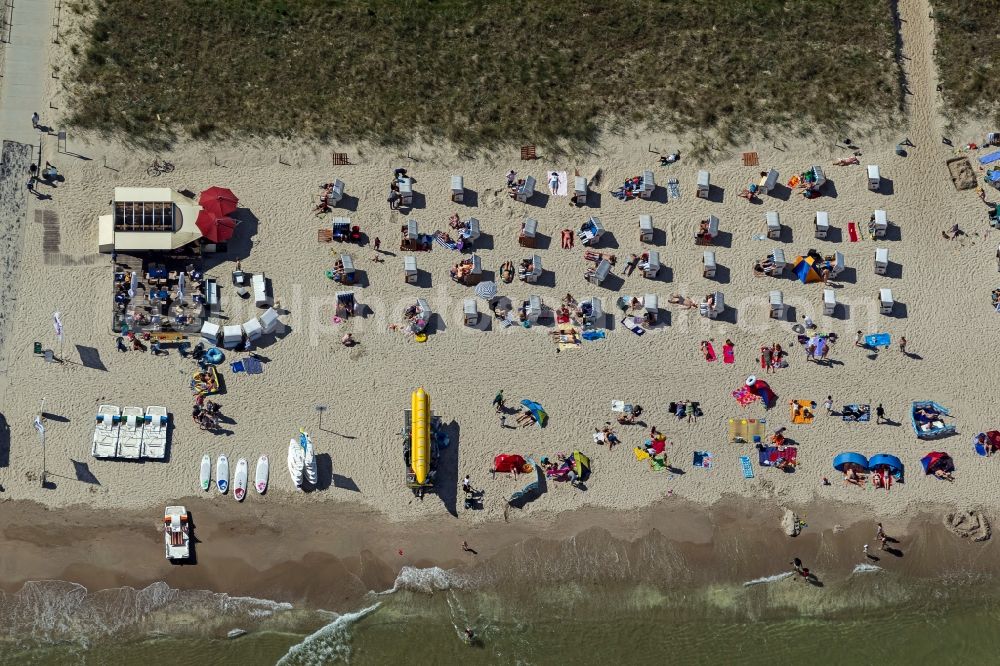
x: 769, y: 579
x: 327, y: 645
x: 54, y: 610
x: 864, y: 567
x: 432, y: 579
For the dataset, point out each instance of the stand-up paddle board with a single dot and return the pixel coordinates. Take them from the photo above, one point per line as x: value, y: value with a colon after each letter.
x: 240, y: 480
x: 222, y: 474
x: 296, y: 462
x: 260, y: 478
x: 206, y: 472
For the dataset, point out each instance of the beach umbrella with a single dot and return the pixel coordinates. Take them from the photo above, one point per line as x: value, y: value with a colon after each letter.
x: 537, y: 411
x: 133, y: 285
x: 180, y: 287
x: 486, y: 290
x: 214, y: 227
x: 219, y: 200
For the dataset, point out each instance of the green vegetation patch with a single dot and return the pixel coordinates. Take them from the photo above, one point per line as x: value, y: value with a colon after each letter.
x: 479, y: 73
x: 968, y: 57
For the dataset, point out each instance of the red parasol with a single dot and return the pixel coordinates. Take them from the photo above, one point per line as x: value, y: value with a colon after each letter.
x: 219, y: 200
x: 214, y: 227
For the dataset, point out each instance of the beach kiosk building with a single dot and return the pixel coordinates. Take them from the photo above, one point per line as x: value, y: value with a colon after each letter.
x: 147, y: 219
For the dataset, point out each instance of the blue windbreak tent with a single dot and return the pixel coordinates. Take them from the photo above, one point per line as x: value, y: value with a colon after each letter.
x: 841, y: 462
x: 892, y: 462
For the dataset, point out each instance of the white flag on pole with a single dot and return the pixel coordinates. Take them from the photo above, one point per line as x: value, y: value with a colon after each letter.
x: 57, y: 324
x: 39, y: 426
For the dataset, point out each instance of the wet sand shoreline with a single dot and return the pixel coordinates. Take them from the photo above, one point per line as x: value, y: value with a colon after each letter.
x: 317, y: 558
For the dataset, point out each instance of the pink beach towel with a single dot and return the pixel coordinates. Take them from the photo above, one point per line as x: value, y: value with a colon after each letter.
x: 744, y: 396
x: 852, y: 231
x: 728, y: 355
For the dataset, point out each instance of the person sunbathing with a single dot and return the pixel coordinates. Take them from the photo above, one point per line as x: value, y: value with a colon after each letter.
x: 852, y: 476
x: 684, y: 301
x: 669, y: 159
x: 455, y: 222
x: 941, y: 474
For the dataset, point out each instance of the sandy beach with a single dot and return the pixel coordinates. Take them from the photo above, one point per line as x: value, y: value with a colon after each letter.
x: 941, y: 288
x: 77, y: 520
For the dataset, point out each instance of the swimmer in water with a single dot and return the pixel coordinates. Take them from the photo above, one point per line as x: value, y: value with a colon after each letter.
x: 470, y: 635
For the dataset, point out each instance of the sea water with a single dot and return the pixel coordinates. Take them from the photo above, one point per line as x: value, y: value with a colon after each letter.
x: 870, y: 616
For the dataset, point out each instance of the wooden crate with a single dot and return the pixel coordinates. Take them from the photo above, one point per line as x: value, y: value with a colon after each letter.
x: 750, y: 159
x: 324, y: 236
x: 340, y: 159
x: 528, y: 153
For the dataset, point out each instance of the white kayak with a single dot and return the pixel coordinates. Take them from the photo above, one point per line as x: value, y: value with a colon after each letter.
x: 206, y: 472
x: 240, y: 480
x: 260, y: 478
x: 296, y: 462
x: 222, y: 474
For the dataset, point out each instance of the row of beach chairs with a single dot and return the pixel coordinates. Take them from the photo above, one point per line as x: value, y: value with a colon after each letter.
x: 130, y: 433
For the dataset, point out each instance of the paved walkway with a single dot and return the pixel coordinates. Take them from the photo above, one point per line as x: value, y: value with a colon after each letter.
x: 24, y: 71
x: 21, y: 94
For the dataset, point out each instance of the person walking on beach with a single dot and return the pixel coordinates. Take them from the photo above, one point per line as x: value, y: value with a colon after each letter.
x: 799, y: 569
x: 467, y: 485
x: 879, y: 413
x: 902, y: 344
x: 503, y: 421
x: 378, y: 243
x: 880, y: 535
x: 498, y: 401
x: 35, y: 119
x: 393, y: 199
x: 467, y: 548
x: 859, y: 339
x: 828, y: 404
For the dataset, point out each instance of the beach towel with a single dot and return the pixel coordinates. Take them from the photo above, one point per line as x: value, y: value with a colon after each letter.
x: 770, y: 455
x: 630, y: 324
x: 657, y: 464
x: 728, y: 354
x: 992, y: 157
x: 878, y: 340
x: 673, y: 189
x: 702, y: 459
x: 806, y: 412
x: 640, y: 454
x: 852, y: 231
x: 563, y: 188
x: 710, y: 353
x: 857, y: 413
x: 747, y: 468
x: 592, y: 335
x: 253, y: 366
x: 744, y: 396
x: 443, y: 243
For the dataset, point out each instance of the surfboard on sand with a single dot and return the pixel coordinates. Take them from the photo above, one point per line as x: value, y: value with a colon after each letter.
x: 240, y: 480
x: 222, y: 474
x: 206, y: 472
x: 260, y: 478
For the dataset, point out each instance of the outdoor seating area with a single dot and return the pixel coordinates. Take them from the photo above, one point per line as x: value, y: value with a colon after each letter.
x: 158, y: 297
